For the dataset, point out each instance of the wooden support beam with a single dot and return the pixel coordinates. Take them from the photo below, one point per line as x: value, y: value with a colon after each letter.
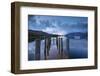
x: 61, y: 45
x: 45, y: 49
x: 68, y: 46
x: 37, y: 49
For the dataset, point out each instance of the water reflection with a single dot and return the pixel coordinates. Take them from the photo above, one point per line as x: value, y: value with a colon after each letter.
x: 57, y: 48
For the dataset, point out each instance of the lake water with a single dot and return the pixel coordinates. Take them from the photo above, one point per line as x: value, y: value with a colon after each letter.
x: 77, y: 49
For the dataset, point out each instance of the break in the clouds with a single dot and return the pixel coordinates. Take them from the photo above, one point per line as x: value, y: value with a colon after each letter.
x: 57, y: 24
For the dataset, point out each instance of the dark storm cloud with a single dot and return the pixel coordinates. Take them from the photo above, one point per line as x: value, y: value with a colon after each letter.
x: 58, y: 24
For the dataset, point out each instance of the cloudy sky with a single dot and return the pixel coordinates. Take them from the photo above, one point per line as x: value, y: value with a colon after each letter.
x: 57, y: 24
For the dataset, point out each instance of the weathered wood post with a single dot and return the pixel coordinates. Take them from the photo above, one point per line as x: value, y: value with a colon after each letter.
x: 67, y: 46
x: 48, y: 45
x: 45, y: 49
x: 61, y: 45
x: 57, y: 42
x: 37, y: 49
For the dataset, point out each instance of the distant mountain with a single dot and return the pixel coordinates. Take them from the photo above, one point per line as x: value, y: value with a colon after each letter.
x: 77, y: 34
x: 33, y: 34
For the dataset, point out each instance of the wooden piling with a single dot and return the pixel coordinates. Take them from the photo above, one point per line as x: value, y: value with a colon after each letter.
x: 37, y: 49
